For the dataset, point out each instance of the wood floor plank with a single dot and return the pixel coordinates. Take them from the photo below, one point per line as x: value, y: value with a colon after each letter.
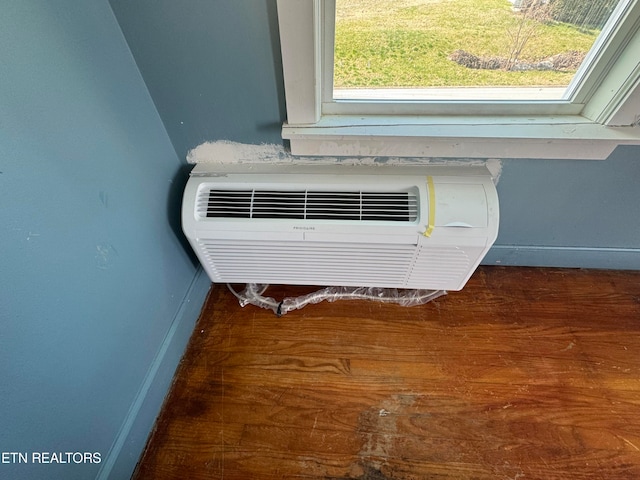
x: 527, y: 373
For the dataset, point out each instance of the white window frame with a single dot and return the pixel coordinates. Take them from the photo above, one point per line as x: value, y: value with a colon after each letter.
x: 599, y: 117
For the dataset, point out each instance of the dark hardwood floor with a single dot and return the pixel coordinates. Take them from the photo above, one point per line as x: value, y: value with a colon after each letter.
x: 525, y: 374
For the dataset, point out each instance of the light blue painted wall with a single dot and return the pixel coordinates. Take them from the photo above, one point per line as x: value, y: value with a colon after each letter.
x: 570, y: 213
x: 94, y: 281
x: 212, y: 67
x: 214, y: 71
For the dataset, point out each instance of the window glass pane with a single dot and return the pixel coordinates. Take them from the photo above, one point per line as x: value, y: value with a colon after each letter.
x: 463, y: 49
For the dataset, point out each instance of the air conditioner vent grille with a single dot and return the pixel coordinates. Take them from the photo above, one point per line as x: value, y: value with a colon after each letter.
x: 399, y: 206
x: 307, y: 263
x: 321, y: 263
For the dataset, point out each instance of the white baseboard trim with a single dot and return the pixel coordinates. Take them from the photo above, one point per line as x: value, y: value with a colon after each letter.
x: 569, y: 257
x: 128, y: 445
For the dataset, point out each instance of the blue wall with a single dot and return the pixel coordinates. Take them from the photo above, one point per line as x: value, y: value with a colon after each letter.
x: 97, y: 293
x: 212, y: 67
x: 570, y: 213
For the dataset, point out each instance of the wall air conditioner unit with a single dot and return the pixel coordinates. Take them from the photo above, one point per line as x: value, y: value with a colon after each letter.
x: 373, y: 226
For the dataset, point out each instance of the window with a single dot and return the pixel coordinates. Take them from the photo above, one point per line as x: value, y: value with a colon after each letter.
x: 587, y: 121
x: 465, y: 49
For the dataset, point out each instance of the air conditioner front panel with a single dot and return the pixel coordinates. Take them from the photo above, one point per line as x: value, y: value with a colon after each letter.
x: 423, y: 228
x: 308, y: 263
x: 313, y: 263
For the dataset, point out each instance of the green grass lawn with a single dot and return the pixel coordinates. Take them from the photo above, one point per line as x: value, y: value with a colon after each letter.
x: 406, y: 43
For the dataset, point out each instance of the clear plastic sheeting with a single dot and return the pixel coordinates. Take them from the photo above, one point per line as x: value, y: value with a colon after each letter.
x: 253, y: 295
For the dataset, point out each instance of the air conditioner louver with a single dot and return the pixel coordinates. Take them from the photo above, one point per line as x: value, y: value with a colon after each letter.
x: 397, y: 227
x: 309, y: 205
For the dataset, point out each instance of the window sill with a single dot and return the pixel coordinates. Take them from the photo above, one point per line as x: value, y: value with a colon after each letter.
x: 561, y: 137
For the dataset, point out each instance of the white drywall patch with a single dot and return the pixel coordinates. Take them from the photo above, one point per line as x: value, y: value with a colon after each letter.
x: 495, y: 168
x: 226, y: 152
